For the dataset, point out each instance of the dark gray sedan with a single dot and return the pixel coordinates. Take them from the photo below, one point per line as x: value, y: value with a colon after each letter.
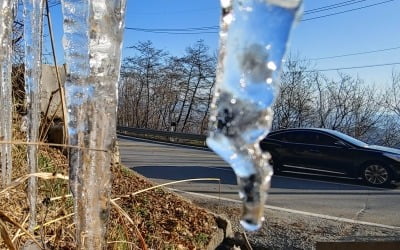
x: 329, y: 152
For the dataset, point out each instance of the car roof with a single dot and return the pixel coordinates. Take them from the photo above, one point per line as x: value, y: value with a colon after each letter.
x: 302, y: 129
x: 334, y: 133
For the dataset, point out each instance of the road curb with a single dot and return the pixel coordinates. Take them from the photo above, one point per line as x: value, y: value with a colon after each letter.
x: 224, y: 232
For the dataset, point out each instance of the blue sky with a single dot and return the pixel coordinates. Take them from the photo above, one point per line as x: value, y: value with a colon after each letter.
x: 367, y: 29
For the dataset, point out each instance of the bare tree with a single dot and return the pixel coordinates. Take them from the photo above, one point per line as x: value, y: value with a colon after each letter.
x: 174, y: 93
x: 349, y: 106
x: 203, y: 68
x: 141, y: 74
x: 310, y: 99
x: 166, y: 92
x: 392, y: 101
x: 294, y: 104
x: 388, y: 133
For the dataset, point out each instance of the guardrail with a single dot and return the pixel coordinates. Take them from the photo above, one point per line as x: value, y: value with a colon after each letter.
x: 174, y: 137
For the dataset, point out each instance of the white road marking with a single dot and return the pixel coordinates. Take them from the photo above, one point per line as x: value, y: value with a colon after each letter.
x: 322, y: 216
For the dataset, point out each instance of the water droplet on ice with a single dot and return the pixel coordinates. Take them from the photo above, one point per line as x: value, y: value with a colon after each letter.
x: 226, y: 3
x: 228, y: 18
x: 271, y: 65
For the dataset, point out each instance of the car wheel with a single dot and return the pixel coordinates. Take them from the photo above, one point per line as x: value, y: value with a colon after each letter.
x: 376, y: 174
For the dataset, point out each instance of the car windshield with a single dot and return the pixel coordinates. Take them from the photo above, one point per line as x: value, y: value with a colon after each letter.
x: 349, y: 139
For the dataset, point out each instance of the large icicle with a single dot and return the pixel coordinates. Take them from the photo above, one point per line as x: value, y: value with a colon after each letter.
x: 253, y: 38
x: 6, y: 107
x: 33, y: 20
x: 92, y: 43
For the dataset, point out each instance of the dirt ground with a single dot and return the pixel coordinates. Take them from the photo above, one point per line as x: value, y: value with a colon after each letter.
x: 283, y: 230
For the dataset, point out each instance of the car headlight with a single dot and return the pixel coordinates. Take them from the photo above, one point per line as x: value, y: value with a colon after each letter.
x: 395, y: 157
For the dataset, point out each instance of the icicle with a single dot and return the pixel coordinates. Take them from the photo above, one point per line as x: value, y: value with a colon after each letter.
x: 92, y: 43
x: 6, y: 107
x: 252, y: 43
x: 33, y: 19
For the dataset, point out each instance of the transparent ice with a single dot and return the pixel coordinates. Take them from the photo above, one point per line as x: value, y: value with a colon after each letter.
x: 92, y: 43
x: 6, y: 20
x: 33, y: 21
x: 253, y: 40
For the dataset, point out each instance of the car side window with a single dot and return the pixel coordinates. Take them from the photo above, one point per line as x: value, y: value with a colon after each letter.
x: 305, y: 137
x: 298, y: 137
x: 288, y: 137
x: 284, y: 136
x: 325, y: 140
x: 278, y: 136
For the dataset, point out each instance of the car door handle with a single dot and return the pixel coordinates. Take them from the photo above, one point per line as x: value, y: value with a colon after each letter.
x: 314, y: 150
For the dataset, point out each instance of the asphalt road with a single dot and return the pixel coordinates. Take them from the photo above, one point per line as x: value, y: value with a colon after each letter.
x: 340, y: 198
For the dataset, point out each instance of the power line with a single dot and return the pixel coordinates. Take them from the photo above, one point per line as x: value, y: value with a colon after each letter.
x: 175, y: 12
x: 182, y: 31
x: 354, y: 54
x: 355, y: 67
x: 206, y: 29
x: 178, y: 33
x: 332, y: 6
x: 51, y: 5
x: 346, y: 11
x: 306, y: 12
x: 176, y: 29
x: 324, y: 8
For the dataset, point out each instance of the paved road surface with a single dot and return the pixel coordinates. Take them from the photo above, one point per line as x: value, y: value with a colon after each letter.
x: 163, y: 163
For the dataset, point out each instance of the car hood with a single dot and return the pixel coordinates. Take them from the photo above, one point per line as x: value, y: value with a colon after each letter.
x: 384, y: 149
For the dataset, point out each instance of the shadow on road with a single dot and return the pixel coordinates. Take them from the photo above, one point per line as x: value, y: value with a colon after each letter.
x: 300, y: 184
x: 314, y: 182
x: 187, y: 172
x: 299, y: 193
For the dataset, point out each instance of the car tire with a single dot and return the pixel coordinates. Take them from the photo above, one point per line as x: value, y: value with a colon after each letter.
x: 377, y: 174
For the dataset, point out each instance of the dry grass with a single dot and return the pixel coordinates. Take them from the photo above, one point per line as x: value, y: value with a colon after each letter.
x: 155, y: 219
